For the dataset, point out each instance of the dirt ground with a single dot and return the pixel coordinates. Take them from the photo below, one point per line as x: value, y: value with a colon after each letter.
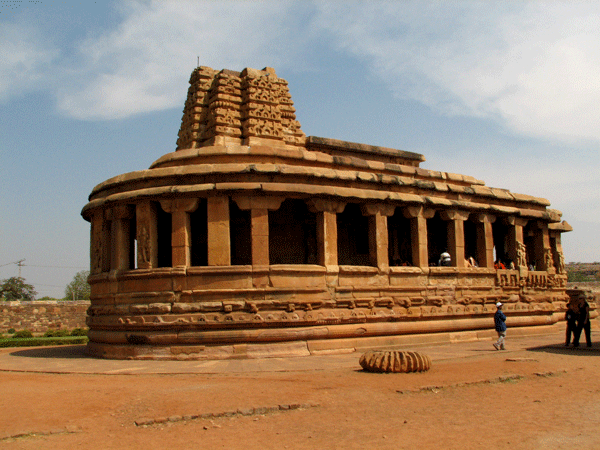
x: 541, y: 399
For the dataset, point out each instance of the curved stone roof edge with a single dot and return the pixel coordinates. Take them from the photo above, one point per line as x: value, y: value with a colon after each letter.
x: 309, y: 172
x: 311, y: 190
x: 299, y: 153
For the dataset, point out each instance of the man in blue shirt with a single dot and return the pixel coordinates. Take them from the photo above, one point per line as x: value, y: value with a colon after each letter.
x: 500, y: 323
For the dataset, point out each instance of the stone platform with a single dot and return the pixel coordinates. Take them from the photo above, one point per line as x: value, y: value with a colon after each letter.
x: 73, y: 359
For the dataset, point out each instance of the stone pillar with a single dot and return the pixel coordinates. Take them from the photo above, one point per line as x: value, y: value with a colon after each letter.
x: 260, y: 236
x: 327, y: 211
x: 219, y: 239
x: 485, y: 240
x: 559, y: 262
x: 97, y: 243
x: 418, y: 233
x: 180, y: 210
x: 147, y: 235
x: 121, y: 237
x: 456, y: 235
x: 545, y: 262
x: 516, y: 243
x: 107, y: 241
x: 259, y: 214
x: 378, y: 233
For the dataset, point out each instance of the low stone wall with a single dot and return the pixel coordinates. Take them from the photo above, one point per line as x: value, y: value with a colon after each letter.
x: 41, y: 316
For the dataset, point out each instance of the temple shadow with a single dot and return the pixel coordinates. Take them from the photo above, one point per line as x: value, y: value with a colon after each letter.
x: 560, y: 349
x: 63, y: 351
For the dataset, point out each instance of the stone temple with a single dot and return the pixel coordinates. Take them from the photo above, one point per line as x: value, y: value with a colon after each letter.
x: 252, y: 239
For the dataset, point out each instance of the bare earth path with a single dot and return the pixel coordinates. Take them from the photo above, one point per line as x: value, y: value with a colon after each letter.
x: 536, y: 395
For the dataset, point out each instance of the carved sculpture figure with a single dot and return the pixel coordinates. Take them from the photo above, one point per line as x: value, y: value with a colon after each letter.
x: 561, y: 262
x: 521, y: 254
x: 549, y: 260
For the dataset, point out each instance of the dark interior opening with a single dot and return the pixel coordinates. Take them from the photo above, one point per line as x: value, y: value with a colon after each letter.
x: 399, y: 240
x: 437, y: 239
x: 199, y: 235
x: 163, y: 228
x: 353, y: 237
x: 501, y: 236
x: 240, y: 233
x: 292, y: 234
x: 471, y: 250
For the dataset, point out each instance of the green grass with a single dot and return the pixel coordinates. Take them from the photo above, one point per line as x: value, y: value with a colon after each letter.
x: 42, y: 341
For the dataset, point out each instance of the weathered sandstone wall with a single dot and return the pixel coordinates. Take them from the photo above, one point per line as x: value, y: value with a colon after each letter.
x: 41, y: 316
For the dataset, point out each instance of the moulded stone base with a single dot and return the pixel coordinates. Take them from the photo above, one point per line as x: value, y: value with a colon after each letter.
x: 301, y: 348
x: 198, y: 352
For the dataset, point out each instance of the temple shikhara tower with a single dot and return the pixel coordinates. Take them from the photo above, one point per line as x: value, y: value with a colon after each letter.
x: 252, y: 239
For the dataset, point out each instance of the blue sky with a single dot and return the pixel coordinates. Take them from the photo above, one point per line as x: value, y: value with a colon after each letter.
x: 506, y: 92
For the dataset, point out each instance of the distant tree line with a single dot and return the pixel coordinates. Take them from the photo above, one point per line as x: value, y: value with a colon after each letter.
x: 15, y: 288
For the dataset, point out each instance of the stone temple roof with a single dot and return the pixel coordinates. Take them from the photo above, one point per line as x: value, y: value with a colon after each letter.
x: 247, y: 107
x: 239, y: 133
x: 254, y: 107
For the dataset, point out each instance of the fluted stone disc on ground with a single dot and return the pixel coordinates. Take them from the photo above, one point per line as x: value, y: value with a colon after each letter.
x: 394, y: 361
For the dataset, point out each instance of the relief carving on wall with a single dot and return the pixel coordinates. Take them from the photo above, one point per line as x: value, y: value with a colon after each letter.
x: 143, y: 247
x: 521, y: 254
x: 561, y: 262
x: 549, y: 261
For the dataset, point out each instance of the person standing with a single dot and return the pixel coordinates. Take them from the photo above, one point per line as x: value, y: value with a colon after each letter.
x: 571, y: 319
x: 500, y: 324
x: 445, y: 259
x: 583, y: 323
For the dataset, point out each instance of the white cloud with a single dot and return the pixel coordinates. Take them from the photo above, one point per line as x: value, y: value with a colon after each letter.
x: 143, y: 65
x: 531, y: 65
x: 24, y: 60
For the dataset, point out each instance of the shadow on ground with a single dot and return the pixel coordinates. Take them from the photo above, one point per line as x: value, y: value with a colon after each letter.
x: 560, y: 349
x: 66, y: 351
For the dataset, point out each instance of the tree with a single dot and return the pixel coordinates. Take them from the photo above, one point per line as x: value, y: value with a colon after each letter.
x: 15, y: 288
x: 78, y: 289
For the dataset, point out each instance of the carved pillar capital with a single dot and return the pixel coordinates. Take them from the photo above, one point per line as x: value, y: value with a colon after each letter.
x: 179, y: 205
x: 247, y: 203
x: 371, y: 209
x: 453, y: 214
x: 411, y: 212
x: 323, y: 205
x: 483, y: 218
x: 516, y: 221
x: 119, y: 212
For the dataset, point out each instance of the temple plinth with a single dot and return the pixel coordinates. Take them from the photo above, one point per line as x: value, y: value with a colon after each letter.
x: 252, y: 239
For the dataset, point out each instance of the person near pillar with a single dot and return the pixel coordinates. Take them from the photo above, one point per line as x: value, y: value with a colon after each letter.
x: 571, y: 319
x: 445, y: 259
x: 583, y: 323
x: 500, y: 324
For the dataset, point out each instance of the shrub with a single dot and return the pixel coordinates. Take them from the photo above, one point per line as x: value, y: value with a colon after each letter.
x: 56, y: 333
x: 11, y: 331
x: 35, y: 342
x: 79, y: 332
x: 23, y: 334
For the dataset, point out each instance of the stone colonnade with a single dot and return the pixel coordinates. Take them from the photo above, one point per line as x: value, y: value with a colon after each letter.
x: 125, y: 237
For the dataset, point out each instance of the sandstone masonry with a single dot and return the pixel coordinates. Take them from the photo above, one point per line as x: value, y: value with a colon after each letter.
x: 254, y: 239
x: 41, y: 316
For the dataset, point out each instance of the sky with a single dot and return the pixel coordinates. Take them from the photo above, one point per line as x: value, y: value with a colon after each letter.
x: 507, y: 92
